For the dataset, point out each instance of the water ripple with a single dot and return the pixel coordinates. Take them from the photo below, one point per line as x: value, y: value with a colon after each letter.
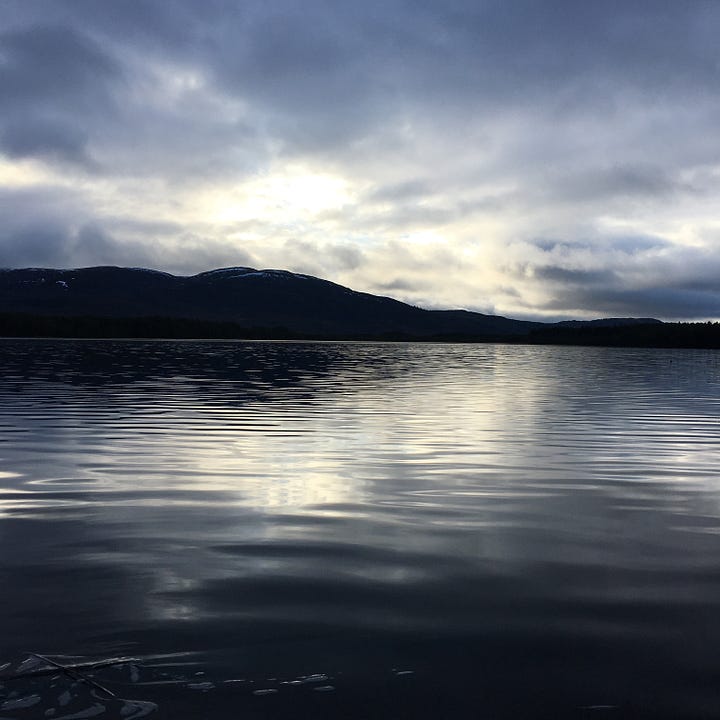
x: 277, y: 507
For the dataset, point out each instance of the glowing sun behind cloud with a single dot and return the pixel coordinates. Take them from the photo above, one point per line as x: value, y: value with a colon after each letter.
x: 294, y: 194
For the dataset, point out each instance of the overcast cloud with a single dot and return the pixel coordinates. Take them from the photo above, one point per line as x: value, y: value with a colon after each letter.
x: 533, y: 158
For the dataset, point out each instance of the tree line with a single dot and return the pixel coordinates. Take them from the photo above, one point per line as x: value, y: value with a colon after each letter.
x: 661, y: 335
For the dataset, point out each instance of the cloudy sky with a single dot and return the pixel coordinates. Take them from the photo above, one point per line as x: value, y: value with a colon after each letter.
x: 533, y: 158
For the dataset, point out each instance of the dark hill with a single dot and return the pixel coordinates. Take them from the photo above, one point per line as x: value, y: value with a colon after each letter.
x: 243, y: 302
x: 273, y: 299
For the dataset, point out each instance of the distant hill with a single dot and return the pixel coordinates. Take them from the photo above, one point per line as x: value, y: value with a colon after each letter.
x: 642, y: 333
x: 242, y: 302
x: 607, y: 322
x: 280, y: 303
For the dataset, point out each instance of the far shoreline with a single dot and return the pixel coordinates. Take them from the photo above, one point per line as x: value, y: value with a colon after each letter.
x: 703, y: 335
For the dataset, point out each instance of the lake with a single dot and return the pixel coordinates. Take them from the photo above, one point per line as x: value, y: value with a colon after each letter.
x: 350, y: 530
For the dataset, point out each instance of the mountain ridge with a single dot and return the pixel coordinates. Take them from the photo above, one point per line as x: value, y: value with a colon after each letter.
x: 279, y: 301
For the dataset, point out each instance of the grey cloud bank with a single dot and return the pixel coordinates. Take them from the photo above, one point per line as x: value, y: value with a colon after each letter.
x: 537, y: 159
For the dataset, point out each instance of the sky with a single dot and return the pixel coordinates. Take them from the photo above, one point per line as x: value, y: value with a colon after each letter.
x: 543, y: 159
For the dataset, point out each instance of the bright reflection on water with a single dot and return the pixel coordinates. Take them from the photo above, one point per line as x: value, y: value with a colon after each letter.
x: 532, y: 531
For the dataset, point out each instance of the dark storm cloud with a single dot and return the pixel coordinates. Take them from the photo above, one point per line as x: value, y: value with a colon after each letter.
x: 55, y: 84
x: 659, y: 302
x: 636, y: 244
x: 328, y: 73
x: 57, y: 64
x: 620, y: 181
x: 567, y: 276
x: 37, y: 228
x: 46, y: 139
x: 332, y: 70
x: 325, y: 70
x: 51, y: 244
x: 631, y: 244
x: 81, y: 91
x: 648, y: 278
x: 35, y: 246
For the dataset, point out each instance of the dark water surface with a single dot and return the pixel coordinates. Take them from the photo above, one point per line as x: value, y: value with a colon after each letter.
x: 282, y: 530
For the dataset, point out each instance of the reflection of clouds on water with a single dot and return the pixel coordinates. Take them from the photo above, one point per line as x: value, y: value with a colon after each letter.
x: 448, y: 493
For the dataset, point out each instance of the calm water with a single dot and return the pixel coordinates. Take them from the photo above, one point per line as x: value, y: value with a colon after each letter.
x: 279, y: 530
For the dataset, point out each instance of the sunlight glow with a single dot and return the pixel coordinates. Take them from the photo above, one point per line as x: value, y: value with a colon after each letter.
x: 292, y: 195
x: 24, y: 173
